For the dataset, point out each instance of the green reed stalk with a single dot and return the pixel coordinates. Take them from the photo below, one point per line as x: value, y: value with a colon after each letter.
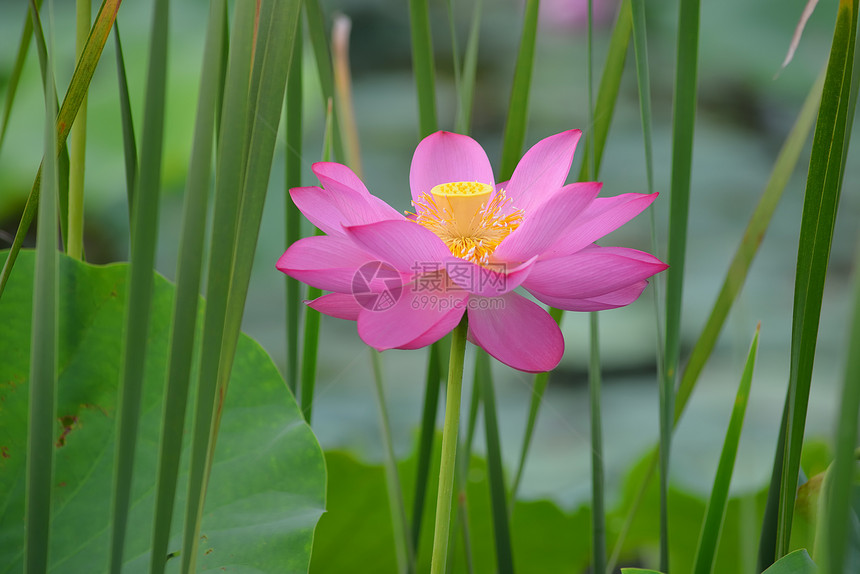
x: 140, y: 278
x: 734, y: 279
x: 515, y: 126
x: 422, y: 64
x: 292, y: 216
x: 683, y: 124
x: 278, y: 21
x: 43, y: 353
x: 311, y: 335
x: 837, y: 525
x: 75, y: 246
x: 715, y: 515
x: 188, y: 276
x: 229, y: 168
x: 129, y: 147
x: 821, y: 202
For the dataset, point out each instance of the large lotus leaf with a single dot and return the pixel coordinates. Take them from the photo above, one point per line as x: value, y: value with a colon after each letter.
x: 267, y: 488
x: 357, y: 527
x: 798, y: 562
x: 545, y: 538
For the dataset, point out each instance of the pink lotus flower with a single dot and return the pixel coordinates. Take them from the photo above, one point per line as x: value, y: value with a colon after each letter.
x: 407, y: 280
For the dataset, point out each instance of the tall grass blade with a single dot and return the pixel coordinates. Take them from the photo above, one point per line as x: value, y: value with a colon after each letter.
x: 78, y: 87
x: 598, y: 505
x: 310, y: 348
x: 422, y: 65
x: 607, y: 91
x: 222, y: 76
x: 607, y: 97
x: 188, y: 275
x: 15, y: 75
x: 683, y: 120
x: 541, y: 381
x: 399, y: 523
x: 279, y: 19
x: 322, y: 55
x: 311, y: 336
x: 748, y: 248
x: 843, y: 471
x: 598, y: 513
x: 739, y: 267
x: 75, y: 244
x: 466, y: 91
x: 643, y: 79
x: 129, y: 145
x: 643, y: 82
x: 271, y: 60
x: 292, y: 216
x: 455, y: 61
x: 821, y: 202
x: 501, y: 528
x: 716, y: 512
x: 142, y: 262
x: 229, y: 171
x: 768, y: 536
x: 62, y: 166
x: 432, y: 386
x: 515, y: 126
x: 43, y: 354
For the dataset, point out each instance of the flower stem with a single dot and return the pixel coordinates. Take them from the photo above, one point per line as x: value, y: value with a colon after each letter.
x: 449, y: 447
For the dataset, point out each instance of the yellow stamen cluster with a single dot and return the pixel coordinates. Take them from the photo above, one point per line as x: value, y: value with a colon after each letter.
x: 469, y: 217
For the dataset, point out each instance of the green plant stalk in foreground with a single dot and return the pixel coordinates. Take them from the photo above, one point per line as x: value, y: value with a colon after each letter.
x: 837, y: 523
x: 449, y: 447
x: 43, y: 356
x: 140, y: 278
x: 278, y: 21
x: 311, y: 335
x: 230, y: 164
x: 821, y: 202
x: 188, y: 275
x: 292, y: 216
x: 129, y: 147
x: 715, y: 514
x: 683, y: 123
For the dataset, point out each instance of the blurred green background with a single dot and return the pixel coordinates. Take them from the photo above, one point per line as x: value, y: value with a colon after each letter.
x: 746, y: 108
